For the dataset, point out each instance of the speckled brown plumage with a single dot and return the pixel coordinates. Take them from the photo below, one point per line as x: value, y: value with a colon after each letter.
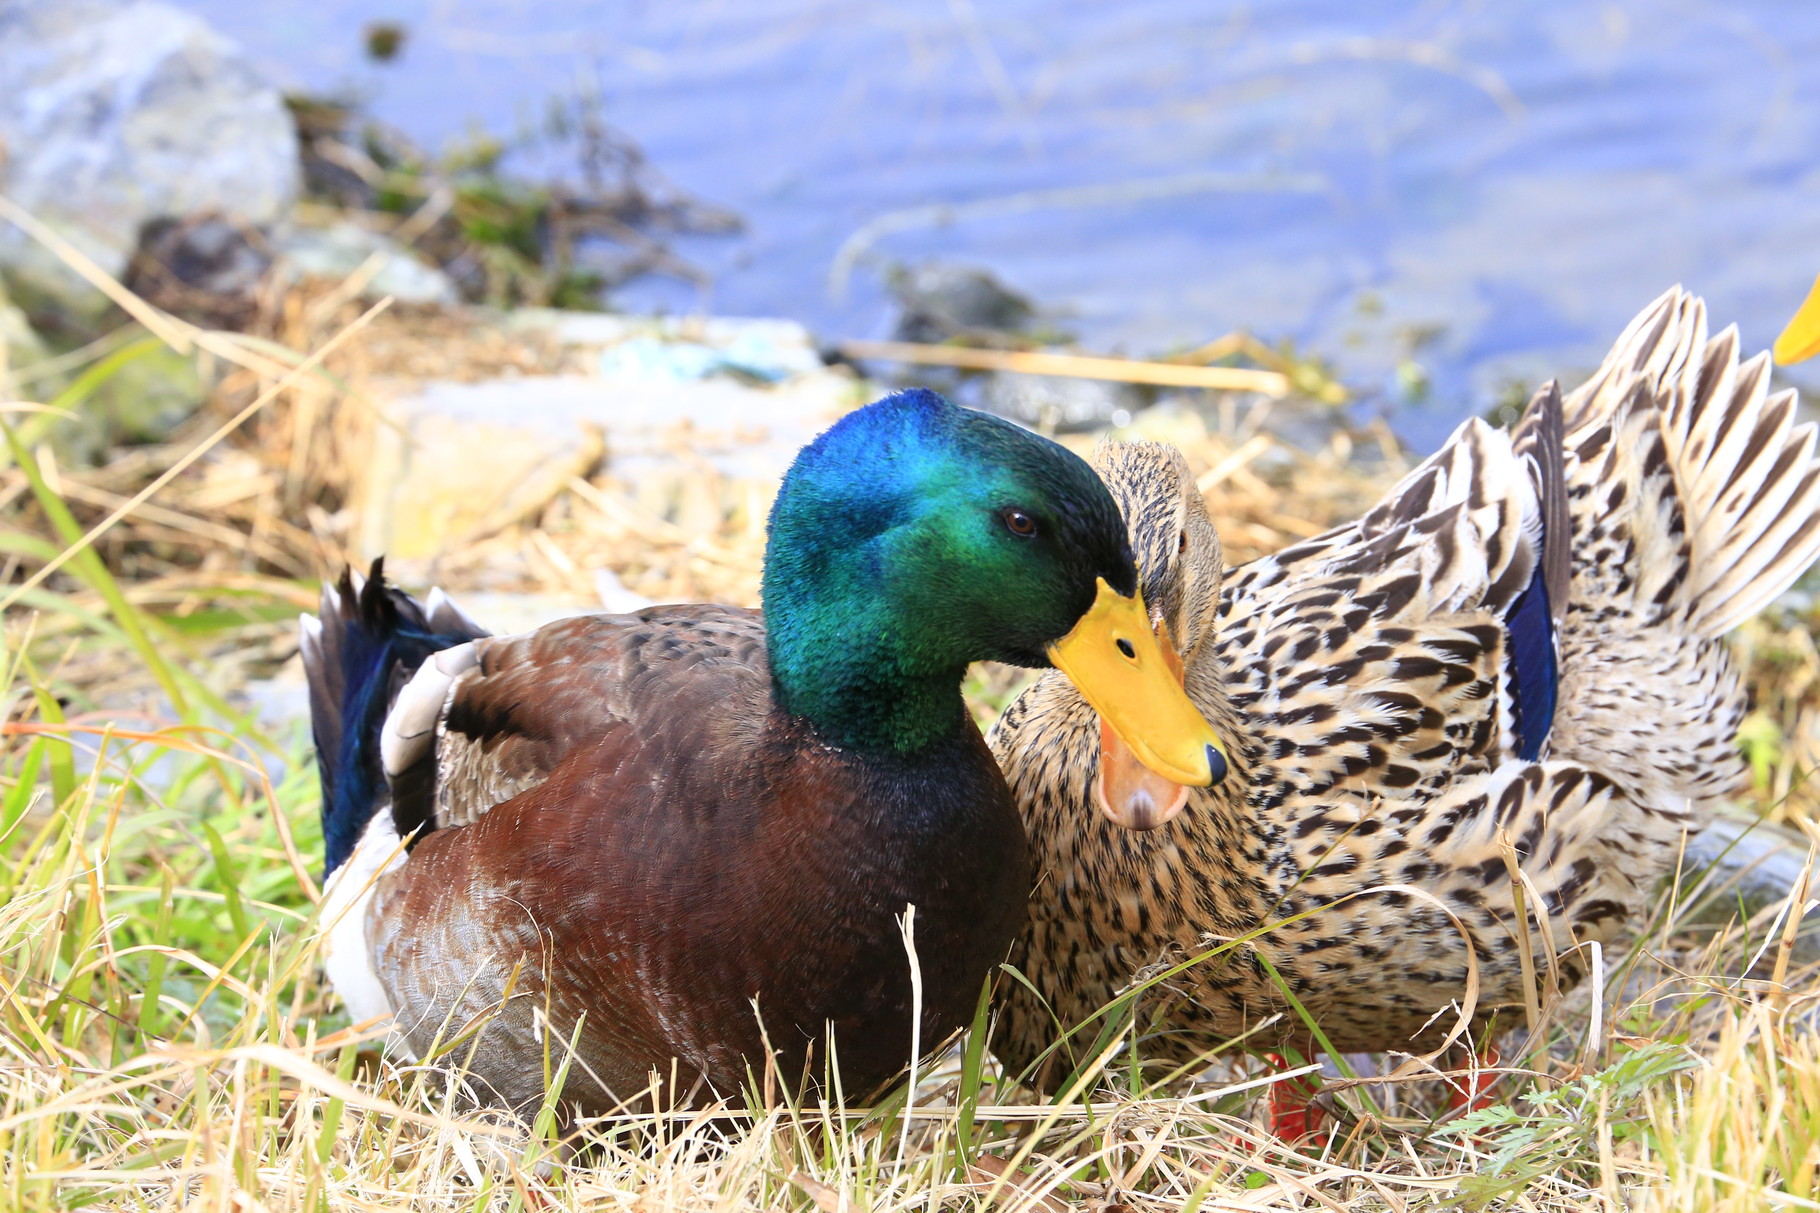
x: 1363, y: 680
x: 659, y: 847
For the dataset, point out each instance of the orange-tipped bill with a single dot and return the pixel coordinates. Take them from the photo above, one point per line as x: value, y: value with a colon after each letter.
x: 1801, y: 339
x: 1129, y: 793
x: 1113, y: 659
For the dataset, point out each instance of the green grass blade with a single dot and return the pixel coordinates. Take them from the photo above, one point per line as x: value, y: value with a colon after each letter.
x: 331, y: 1115
x: 88, y: 565
x: 973, y: 1065
x: 150, y: 1015
x: 19, y: 798
x: 61, y: 755
x: 230, y: 881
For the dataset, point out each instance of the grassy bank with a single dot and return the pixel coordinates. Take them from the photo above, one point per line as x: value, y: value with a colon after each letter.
x: 169, y: 1042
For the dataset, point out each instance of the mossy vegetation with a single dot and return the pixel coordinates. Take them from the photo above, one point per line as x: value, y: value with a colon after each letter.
x: 508, y: 238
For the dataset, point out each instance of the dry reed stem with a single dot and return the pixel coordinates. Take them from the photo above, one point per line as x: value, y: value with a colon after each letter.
x: 1074, y: 366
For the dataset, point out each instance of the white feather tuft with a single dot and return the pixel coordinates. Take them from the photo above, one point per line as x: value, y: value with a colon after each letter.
x: 309, y: 639
x: 347, y: 956
x: 445, y: 615
x: 410, y: 725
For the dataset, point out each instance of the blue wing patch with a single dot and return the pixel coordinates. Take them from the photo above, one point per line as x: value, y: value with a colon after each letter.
x: 1534, y: 667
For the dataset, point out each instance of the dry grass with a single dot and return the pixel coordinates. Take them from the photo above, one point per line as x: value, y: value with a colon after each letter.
x: 169, y: 1044
x: 166, y: 1040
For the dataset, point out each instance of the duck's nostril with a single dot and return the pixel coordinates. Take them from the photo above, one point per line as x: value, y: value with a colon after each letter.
x: 1125, y: 648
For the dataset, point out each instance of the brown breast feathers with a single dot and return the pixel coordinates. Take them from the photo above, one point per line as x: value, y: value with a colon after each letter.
x: 634, y: 840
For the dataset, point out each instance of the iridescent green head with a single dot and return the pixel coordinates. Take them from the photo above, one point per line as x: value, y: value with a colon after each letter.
x: 915, y: 537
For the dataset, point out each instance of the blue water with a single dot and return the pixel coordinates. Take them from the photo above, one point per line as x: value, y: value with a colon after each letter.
x: 1484, y: 190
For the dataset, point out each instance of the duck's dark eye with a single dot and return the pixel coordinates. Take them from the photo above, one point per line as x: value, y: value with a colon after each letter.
x: 1018, y: 522
x: 1181, y: 546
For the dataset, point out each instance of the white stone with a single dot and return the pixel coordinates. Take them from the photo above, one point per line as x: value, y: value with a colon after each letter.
x: 117, y: 112
x: 457, y: 460
x: 661, y: 350
x: 337, y: 251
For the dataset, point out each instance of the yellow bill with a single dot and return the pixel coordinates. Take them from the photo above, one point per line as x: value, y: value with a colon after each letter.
x: 1114, y: 660
x: 1129, y: 793
x: 1801, y: 339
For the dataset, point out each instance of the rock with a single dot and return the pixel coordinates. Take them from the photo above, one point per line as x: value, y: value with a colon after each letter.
x: 1749, y: 866
x: 1053, y: 402
x: 116, y: 113
x: 676, y: 349
x: 205, y: 269
x: 207, y: 253
x: 458, y: 460
x: 19, y: 347
x: 615, y: 598
x: 503, y: 614
x: 651, y: 360
x: 144, y: 400
x: 281, y: 703
x: 937, y: 302
x: 337, y: 251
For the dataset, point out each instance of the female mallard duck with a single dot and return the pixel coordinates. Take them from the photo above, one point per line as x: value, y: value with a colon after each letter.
x: 673, y: 835
x: 1512, y: 663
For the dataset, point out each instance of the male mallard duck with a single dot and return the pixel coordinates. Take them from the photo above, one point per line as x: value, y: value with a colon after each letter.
x: 1514, y: 659
x: 640, y: 828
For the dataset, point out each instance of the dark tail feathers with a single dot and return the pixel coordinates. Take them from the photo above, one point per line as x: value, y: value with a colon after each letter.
x: 370, y: 639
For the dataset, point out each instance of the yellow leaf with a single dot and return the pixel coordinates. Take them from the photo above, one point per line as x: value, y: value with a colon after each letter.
x: 1801, y: 339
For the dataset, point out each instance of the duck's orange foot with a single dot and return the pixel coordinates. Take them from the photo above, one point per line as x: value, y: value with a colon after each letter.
x: 1292, y: 1114
x: 1470, y: 1090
